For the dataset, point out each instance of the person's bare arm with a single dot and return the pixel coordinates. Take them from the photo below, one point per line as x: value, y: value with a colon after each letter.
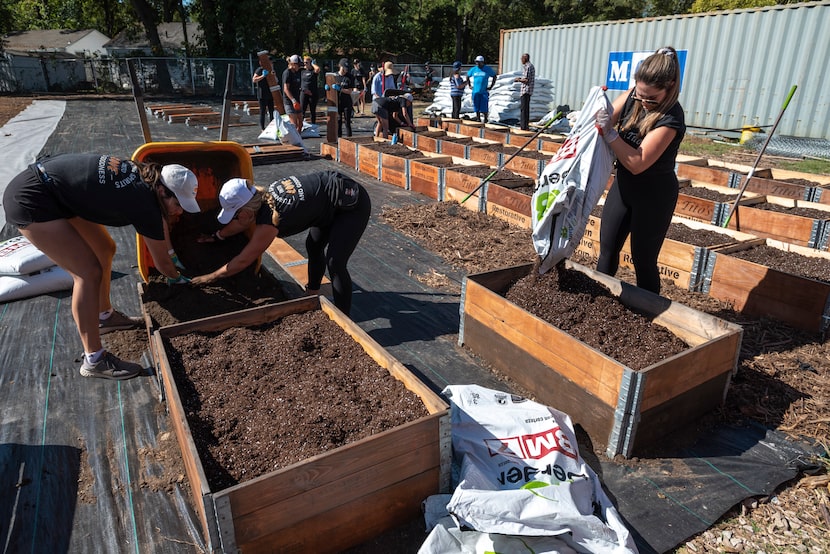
x: 260, y: 240
x: 161, y: 259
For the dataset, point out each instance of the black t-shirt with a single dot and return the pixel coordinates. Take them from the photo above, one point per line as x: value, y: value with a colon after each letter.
x: 302, y: 201
x: 358, y: 75
x: 308, y: 79
x: 392, y: 104
x: 105, y: 190
x: 346, y: 82
x: 294, y: 81
x: 262, y: 89
x: 674, y: 119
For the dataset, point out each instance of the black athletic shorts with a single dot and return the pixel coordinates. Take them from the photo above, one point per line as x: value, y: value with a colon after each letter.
x: 27, y: 200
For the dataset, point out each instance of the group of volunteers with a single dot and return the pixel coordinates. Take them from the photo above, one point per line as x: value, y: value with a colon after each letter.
x: 63, y: 203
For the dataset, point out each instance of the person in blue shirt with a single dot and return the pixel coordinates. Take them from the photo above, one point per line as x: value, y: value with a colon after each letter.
x: 477, y: 78
x: 457, y: 84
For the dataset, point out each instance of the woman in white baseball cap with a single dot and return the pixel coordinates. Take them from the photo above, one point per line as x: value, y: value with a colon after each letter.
x: 62, y: 205
x: 331, y: 206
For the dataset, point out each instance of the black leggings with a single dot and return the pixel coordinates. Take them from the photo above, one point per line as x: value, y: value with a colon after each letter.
x: 331, y: 247
x: 456, y: 107
x: 311, y: 100
x: 643, y: 209
x: 266, y: 104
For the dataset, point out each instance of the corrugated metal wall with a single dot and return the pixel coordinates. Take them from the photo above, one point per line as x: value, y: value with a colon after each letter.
x: 741, y: 64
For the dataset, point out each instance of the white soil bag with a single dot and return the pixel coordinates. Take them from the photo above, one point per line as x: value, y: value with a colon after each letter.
x: 571, y: 185
x: 18, y: 256
x: 52, y: 279
x: 282, y: 130
x: 522, y: 475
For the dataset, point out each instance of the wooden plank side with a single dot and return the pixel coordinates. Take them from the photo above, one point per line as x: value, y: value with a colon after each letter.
x: 779, y: 188
x: 709, y: 175
x: 511, y: 199
x: 695, y: 366
x: 368, y: 161
x: 547, y: 386
x: 339, y: 529
x: 337, y: 465
x: 774, y: 225
x: 194, y: 470
x: 595, y: 372
x: 679, y: 411
x: 757, y: 290
x: 424, y: 178
x: 297, y: 510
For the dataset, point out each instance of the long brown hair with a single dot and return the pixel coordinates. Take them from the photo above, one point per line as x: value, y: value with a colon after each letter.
x: 661, y: 70
x: 150, y: 173
x: 260, y: 196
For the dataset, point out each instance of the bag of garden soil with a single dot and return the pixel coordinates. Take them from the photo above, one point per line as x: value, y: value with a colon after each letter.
x: 522, y: 475
x: 571, y: 185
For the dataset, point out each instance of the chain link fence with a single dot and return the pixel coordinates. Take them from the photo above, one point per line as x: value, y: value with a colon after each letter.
x: 62, y: 74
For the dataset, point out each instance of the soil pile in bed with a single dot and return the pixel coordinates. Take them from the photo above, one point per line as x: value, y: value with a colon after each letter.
x: 399, y: 150
x: 262, y: 398
x: 168, y: 305
x: 586, y: 310
x: 509, y: 150
x: 697, y: 237
x: 791, y: 210
x: 708, y: 194
x: 811, y: 267
x: 501, y: 175
x: 470, y: 240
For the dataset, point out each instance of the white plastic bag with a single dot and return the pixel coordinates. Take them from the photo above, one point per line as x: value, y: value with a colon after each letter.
x: 570, y: 186
x: 18, y: 256
x: 52, y: 279
x: 521, y: 473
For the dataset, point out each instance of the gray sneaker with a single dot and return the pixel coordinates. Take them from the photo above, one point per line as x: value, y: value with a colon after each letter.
x: 110, y: 367
x: 118, y: 322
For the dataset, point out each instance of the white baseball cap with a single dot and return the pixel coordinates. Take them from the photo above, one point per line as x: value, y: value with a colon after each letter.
x: 234, y: 195
x: 183, y: 183
x: 294, y: 59
x: 479, y: 59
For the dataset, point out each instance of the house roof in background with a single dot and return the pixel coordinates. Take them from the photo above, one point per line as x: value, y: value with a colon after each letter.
x: 46, y: 39
x: 171, y: 35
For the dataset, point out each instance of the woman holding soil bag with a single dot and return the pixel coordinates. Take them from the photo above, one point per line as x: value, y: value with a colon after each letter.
x: 331, y: 206
x: 644, y: 132
x: 62, y: 205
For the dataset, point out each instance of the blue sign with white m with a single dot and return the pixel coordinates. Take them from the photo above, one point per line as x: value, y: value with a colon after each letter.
x: 623, y: 65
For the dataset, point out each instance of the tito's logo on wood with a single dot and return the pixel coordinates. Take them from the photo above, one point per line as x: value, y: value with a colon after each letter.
x: 623, y: 65
x: 533, y: 447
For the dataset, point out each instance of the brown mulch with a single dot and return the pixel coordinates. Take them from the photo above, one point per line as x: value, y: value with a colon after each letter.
x: 262, y: 398
x: 782, y: 380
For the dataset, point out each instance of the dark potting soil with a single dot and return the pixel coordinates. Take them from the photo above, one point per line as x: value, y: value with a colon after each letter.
x: 459, y: 140
x: 812, y: 213
x: 697, y: 237
x: 573, y: 302
x: 811, y: 267
x: 799, y: 181
x: 261, y: 398
x: 168, y: 305
x: 708, y: 194
x: 399, y: 150
x: 500, y: 175
x: 509, y: 150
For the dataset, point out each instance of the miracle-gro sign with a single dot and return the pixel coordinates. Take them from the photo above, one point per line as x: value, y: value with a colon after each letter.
x: 623, y: 65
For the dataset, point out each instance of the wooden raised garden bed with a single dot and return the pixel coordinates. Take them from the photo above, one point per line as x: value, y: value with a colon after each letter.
x: 347, y: 149
x: 617, y: 406
x: 687, y: 265
x: 463, y: 181
x: 758, y: 290
x: 329, y: 501
x: 784, y: 219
